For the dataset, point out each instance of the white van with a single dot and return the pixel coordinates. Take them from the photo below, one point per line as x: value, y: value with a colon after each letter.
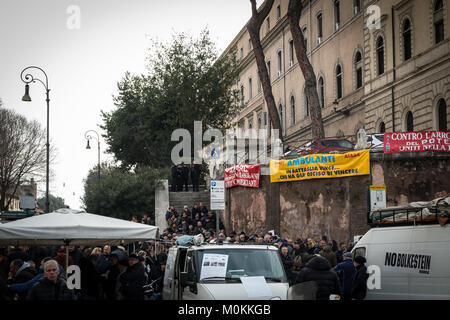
x: 215, y: 272
x: 414, y: 261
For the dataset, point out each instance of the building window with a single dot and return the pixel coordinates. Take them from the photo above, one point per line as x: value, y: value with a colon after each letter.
x: 382, y: 128
x: 321, y: 92
x: 268, y: 69
x: 438, y: 20
x: 409, y: 122
x: 380, y: 55
x: 292, y: 110
x: 249, y: 45
x: 337, y: 15
x: 291, y: 53
x: 278, y: 12
x: 442, y: 115
x: 267, y: 25
x: 338, y: 81
x: 265, y: 119
x: 242, y: 95
x: 242, y: 53
x: 407, y: 39
x: 305, y: 38
x: 319, y: 28
x: 250, y: 93
x: 305, y: 103
x: 358, y: 70
x: 259, y: 85
x: 356, y: 7
x: 279, y: 63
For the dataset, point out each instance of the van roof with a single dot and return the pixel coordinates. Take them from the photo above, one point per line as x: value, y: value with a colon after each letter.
x: 412, y: 234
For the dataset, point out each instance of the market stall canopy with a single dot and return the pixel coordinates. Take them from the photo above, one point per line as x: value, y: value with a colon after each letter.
x: 67, y: 226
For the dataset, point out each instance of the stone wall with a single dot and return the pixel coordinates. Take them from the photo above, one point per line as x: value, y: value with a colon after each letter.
x: 337, y: 207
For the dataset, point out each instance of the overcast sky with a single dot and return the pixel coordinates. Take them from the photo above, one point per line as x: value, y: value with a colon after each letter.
x: 84, y: 56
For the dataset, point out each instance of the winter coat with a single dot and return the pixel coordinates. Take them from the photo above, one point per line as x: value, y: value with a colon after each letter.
x: 133, y: 280
x: 346, y: 272
x: 110, y: 282
x: 329, y: 255
x: 288, y: 263
x: 103, y: 263
x: 318, y: 270
x: 359, y: 285
x: 90, y: 279
x: 48, y: 290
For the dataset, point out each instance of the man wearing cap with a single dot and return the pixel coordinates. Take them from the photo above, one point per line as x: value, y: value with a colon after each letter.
x: 346, y: 273
x: 133, y: 279
x: 359, y: 285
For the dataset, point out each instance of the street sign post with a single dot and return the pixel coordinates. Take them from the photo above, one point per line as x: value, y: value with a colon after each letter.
x: 217, y: 195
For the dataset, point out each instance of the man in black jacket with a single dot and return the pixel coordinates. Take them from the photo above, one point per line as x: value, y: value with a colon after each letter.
x: 50, y: 287
x: 173, y: 187
x: 133, y: 279
x: 318, y: 270
x: 185, y: 177
x: 359, y: 285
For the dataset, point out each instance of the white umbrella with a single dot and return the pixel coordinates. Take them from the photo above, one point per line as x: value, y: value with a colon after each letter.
x: 67, y: 226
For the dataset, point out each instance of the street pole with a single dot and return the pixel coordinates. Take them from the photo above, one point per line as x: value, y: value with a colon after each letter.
x: 89, y: 137
x: 27, y: 79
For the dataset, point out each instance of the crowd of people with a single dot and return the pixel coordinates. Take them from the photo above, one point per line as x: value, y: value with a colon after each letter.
x: 329, y: 264
x: 124, y: 271
x: 180, y: 177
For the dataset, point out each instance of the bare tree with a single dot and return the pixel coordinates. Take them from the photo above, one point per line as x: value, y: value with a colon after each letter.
x: 294, y: 13
x: 253, y: 28
x: 22, y: 153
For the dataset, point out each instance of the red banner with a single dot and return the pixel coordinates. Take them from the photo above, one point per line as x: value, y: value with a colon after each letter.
x: 244, y: 175
x: 437, y: 141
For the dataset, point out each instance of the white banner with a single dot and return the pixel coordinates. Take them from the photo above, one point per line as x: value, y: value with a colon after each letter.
x: 217, y: 195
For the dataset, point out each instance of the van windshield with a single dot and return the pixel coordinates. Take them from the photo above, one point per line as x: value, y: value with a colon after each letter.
x: 241, y: 263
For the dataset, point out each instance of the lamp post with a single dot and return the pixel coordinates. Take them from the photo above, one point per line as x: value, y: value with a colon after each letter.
x: 89, y: 137
x: 27, y: 78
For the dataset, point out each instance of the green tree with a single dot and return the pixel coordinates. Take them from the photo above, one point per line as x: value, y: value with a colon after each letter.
x: 187, y: 81
x: 121, y: 193
x: 55, y: 203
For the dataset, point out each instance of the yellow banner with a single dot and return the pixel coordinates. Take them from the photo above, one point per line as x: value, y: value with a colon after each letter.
x: 317, y: 166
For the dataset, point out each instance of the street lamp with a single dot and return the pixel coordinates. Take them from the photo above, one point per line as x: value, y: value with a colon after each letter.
x: 89, y: 137
x: 27, y: 79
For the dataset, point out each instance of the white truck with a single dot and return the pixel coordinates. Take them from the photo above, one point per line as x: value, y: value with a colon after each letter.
x: 413, y: 254
x: 224, y: 272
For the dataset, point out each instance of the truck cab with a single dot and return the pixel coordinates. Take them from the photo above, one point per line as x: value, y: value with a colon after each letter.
x: 214, y: 272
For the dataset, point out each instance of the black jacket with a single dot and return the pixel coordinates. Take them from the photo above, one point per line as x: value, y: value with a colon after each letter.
x: 359, y: 285
x: 318, y: 269
x: 132, y: 281
x: 24, y: 275
x: 288, y: 263
x: 47, y: 290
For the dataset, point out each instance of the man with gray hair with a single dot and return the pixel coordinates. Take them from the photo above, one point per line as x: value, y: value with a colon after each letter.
x: 50, y: 287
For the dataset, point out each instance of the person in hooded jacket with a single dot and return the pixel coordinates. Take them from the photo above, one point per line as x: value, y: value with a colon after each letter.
x: 318, y: 270
x: 20, y: 272
x: 346, y: 272
x: 359, y: 284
